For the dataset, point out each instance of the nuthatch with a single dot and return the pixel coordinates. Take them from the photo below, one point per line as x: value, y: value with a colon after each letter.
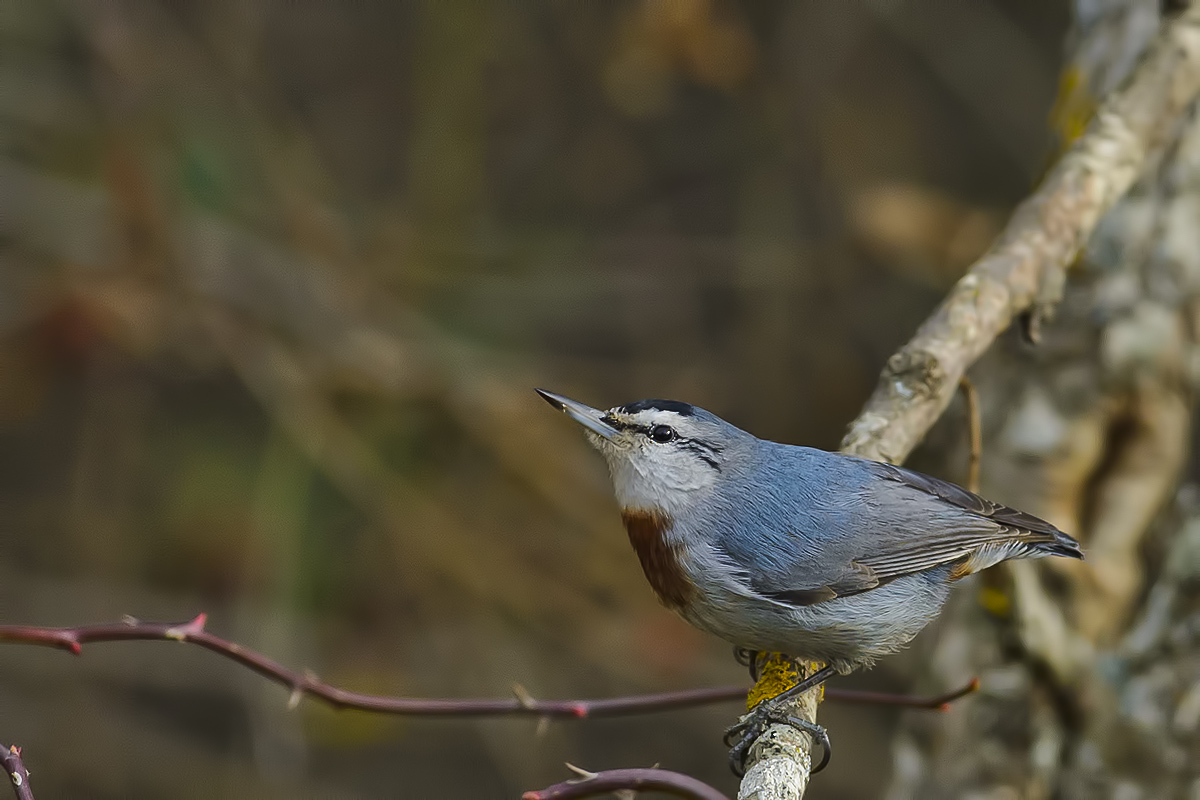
x: 780, y: 548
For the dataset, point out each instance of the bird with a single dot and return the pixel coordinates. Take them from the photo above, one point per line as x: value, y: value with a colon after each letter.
x: 791, y: 549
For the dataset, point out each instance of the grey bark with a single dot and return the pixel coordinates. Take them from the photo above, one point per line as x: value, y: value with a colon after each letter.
x: 1132, y: 371
x: 1090, y: 673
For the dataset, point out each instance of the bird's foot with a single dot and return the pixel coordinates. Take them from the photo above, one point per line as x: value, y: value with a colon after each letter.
x: 780, y: 672
x: 746, y: 731
x: 751, y: 659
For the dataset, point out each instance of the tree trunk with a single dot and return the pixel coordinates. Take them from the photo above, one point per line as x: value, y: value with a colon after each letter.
x: 1090, y: 671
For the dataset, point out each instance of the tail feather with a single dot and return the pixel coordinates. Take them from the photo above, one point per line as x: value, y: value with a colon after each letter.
x: 1023, y: 544
x: 1061, y: 545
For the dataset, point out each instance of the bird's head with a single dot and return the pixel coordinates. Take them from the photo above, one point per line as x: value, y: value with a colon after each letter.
x: 662, y: 454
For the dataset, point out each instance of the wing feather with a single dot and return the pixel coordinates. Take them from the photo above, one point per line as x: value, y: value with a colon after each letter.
x: 967, y: 530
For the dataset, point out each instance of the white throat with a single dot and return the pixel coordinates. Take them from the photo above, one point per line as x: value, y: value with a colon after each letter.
x: 640, y: 483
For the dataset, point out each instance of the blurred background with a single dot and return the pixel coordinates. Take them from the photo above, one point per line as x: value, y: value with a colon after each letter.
x: 277, y: 280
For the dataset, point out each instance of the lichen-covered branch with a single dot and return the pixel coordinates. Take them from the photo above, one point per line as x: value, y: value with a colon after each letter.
x: 1024, y: 270
x: 780, y: 761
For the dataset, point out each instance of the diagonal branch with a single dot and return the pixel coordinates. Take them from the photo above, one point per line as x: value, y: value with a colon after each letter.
x: 1025, y: 268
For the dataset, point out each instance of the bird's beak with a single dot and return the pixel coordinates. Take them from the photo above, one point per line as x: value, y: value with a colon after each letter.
x: 588, y: 417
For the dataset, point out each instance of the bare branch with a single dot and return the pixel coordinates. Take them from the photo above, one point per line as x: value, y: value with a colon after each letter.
x: 522, y: 704
x: 941, y: 703
x: 10, y: 757
x: 1025, y: 269
x: 638, y: 780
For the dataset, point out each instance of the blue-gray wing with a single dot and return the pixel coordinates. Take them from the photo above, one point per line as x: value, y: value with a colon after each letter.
x: 885, y: 522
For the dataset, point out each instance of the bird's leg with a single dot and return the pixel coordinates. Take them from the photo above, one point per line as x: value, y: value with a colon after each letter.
x: 750, y: 659
x: 741, y: 736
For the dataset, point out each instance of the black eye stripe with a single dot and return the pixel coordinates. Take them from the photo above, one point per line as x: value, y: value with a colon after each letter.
x: 712, y: 448
x: 702, y: 451
x: 695, y: 445
x: 626, y: 426
x: 609, y: 419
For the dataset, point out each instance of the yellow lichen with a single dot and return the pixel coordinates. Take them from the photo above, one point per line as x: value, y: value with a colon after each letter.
x: 777, y: 674
x: 1073, y: 107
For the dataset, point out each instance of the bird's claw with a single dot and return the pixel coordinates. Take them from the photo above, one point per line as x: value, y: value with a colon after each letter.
x: 731, y: 733
x: 738, y: 739
x: 750, y: 659
x: 740, y: 736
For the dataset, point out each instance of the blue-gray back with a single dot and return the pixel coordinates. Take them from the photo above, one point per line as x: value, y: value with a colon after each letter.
x: 811, y: 525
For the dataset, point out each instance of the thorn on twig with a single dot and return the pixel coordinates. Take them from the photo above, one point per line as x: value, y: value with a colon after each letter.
x: 543, y: 725
x: 523, y: 697
x: 18, y: 773
x: 308, y: 679
x: 130, y: 620
x: 584, y: 775
x: 301, y: 686
x: 180, y: 633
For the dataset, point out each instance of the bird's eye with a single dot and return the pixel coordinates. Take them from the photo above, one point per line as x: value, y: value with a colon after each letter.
x: 662, y: 433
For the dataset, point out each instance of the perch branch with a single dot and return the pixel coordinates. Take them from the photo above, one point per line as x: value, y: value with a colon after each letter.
x: 779, y: 764
x: 1025, y: 268
x: 590, y: 784
x: 306, y: 683
x: 18, y: 775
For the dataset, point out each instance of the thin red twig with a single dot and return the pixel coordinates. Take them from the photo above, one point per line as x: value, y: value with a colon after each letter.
x: 940, y: 703
x: 10, y: 757
x: 306, y: 683
x: 658, y: 780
